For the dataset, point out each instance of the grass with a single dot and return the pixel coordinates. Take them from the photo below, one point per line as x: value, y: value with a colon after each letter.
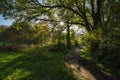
x: 35, y: 65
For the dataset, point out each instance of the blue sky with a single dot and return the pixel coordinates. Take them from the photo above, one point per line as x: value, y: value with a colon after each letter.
x: 5, y: 22
x: 9, y: 21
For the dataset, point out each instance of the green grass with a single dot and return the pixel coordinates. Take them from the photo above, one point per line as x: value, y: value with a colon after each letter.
x: 41, y: 65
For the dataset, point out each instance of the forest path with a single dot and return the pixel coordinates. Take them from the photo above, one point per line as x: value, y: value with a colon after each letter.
x: 83, y: 69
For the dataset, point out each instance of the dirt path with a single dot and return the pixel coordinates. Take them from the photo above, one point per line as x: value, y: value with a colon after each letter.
x: 83, y: 69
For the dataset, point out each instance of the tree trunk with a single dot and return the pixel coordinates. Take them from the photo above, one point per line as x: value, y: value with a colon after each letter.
x: 68, y: 37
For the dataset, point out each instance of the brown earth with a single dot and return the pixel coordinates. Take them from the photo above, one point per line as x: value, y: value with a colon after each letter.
x: 83, y: 69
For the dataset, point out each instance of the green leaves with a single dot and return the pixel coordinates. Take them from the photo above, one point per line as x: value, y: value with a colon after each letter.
x: 22, y: 1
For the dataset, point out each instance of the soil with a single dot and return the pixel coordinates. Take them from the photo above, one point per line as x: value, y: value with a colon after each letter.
x: 83, y: 69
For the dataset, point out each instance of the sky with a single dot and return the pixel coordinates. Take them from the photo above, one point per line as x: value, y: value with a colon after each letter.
x: 5, y: 22
x: 9, y: 21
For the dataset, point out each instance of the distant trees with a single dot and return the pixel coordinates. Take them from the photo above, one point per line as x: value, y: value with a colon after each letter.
x: 23, y: 33
x: 40, y: 33
x: 3, y: 35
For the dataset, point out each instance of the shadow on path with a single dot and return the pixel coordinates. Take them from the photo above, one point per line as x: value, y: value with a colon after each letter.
x: 84, y: 68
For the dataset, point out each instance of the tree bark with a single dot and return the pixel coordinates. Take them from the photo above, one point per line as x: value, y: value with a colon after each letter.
x: 68, y: 37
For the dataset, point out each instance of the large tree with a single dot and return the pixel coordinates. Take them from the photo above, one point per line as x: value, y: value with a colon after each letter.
x: 88, y: 12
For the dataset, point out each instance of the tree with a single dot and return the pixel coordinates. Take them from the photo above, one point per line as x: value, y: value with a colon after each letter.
x: 100, y: 17
x: 3, y: 35
x: 40, y: 33
x: 87, y: 10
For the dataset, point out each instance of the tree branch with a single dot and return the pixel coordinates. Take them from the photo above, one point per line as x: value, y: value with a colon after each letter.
x: 51, y: 20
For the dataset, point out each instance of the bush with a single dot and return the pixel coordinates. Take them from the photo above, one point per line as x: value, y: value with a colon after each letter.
x: 104, y: 47
x: 58, y: 47
x: 7, y: 48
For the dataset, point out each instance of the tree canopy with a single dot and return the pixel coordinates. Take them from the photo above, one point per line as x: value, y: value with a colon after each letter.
x: 89, y: 13
x: 35, y: 20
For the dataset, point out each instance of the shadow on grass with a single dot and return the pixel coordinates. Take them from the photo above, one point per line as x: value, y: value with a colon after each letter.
x: 40, y: 65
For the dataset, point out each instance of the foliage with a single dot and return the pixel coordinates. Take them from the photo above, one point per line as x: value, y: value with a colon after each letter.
x: 2, y: 34
x: 40, y: 33
x: 102, y: 44
x: 84, y: 12
x: 40, y: 64
x: 103, y: 47
x: 23, y: 33
x: 100, y: 18
x: 58, y: 47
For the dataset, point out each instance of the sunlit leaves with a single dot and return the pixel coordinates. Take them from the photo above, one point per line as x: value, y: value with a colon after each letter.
x: 22, y: 1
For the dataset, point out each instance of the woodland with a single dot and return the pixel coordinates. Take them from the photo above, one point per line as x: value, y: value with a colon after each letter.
x: 48, y: 36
